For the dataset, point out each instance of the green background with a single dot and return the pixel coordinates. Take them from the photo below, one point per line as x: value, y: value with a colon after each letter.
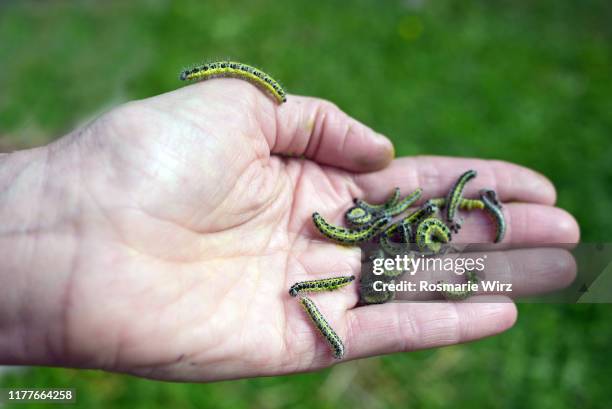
x: 524, y: 81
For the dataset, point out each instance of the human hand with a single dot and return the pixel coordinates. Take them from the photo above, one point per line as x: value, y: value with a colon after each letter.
x: 169, y: 230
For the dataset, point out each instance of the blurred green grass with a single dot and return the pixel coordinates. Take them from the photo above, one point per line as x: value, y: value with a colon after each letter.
x: 523, y: 81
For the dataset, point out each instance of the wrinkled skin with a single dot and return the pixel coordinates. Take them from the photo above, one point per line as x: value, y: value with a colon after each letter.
x: 161, y: 238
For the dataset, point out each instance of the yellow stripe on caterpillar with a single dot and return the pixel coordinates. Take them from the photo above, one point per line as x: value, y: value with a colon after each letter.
x: 464, y: 204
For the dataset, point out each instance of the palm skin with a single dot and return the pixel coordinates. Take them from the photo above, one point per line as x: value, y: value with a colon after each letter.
x: 191, y: 215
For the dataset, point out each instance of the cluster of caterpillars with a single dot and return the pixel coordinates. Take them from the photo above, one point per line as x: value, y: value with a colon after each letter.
x: 428, y: 228
x: 425, y: 231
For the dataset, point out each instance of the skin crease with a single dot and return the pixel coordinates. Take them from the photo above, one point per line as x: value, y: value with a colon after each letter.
x: 161, y: 239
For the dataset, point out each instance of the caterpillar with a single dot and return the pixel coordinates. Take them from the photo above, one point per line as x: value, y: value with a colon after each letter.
x: 358, y: 216
x: 325, y: 284
x: 364, y: 213
x: 368, y: 295
x: 454, y: 198
x: 464, y: 204
x: 472, y: 278
x: 414, y: 218
x: 236, y: 70
x: 323, y: 326
x: 377, y: 297
x: 375, y: 208
x: 405, y: 232
x: 396, y: 248
x: 493, y: 208
x: 404, y: 204
x: 430, y: 235
x: 349, y: 236
x: 404, y: 227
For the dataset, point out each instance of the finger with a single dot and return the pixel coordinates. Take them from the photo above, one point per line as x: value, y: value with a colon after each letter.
x: 526, y: 224
x: 401, y: 327
x: 436, y: 174
x: 320, y: 131
x: 529, y: 272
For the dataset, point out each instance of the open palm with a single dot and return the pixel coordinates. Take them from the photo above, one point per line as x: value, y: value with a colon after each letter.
x: 193, y: 217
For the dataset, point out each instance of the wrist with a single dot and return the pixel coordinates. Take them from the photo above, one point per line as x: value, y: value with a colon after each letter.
x: 36, y: 243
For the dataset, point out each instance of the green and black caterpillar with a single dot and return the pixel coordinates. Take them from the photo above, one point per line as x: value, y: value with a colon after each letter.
x: 236, y: 69
x: 324, y: 284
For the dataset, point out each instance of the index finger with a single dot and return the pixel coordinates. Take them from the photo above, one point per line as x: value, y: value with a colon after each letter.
x: 322, y: 132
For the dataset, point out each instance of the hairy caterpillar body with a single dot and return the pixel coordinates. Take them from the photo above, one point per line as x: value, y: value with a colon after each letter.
x: 454, y: 198
x: 325, y: 284
x: 403, y: 204
x: 376, y: 208
x: 393, y: 248
x: 236, y: 70
x: 431, y: 234
x: 493, y: 208
x: 405, y: 230
x: 464, y: 204
x: 323, y: 326
x: 415, y: 218
x: 348, y: 236
x: 405, y: 226
x: 357, y: 216
x: 390, y: 208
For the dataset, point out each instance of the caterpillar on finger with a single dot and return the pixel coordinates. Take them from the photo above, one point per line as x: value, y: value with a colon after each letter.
x: 428, y: 209
x: 454, y: 198
x: 393, y: 248
x: 325, y: 284
x: 493, y: 208
x: 323, y: 326
x: 464, y: 204
x: 235, y: 69
x: 431, y: 234
x: 405, y: 230
x: 404, y: 204
x: 375, y: 208
x: 358, y: 216
x: 343, y: 235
